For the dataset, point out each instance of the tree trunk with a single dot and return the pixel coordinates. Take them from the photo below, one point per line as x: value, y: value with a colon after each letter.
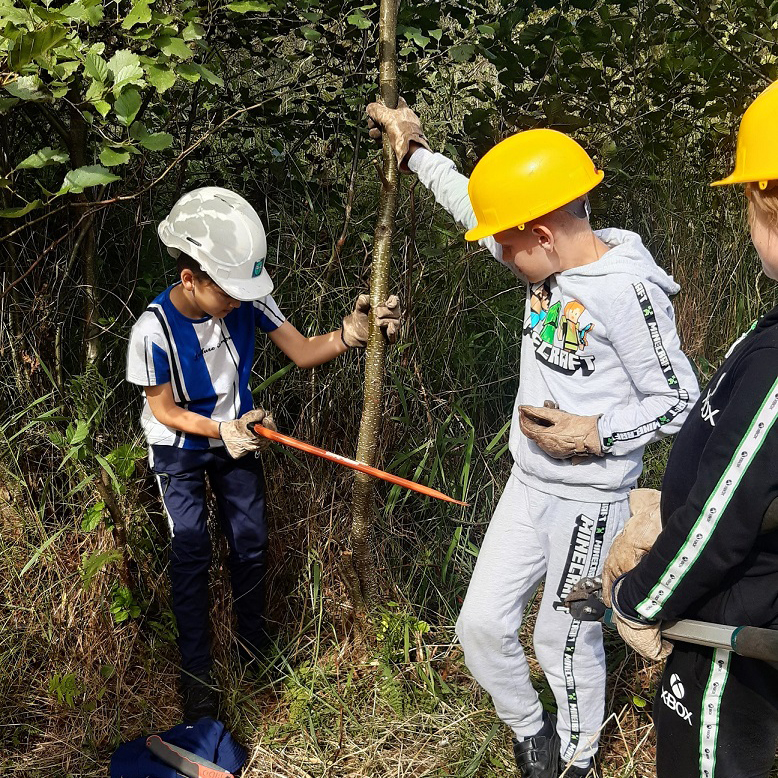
x: 363, y: 507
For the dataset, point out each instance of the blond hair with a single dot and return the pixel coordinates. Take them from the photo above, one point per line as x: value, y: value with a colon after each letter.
x: 763, y: 204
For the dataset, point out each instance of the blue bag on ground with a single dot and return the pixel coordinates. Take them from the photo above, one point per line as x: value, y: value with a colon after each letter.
x: 207, y: 738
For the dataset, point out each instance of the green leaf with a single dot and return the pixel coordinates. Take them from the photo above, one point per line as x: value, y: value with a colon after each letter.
x: 157, y: 141
x: 174, y: 47
x: 193, y: 32
x: 93, y: 517
x: 140, y: 14
x: 27, y: 88
x: 124, y: 458
x: 102, y: 107
x: 419, y: 39
x: 462, y: 53
x: 638, y: 701
x: 95, y: 91
x: 125, y: 68
x: 93, y: 564
x: 246, y: 6
x: 436, y: 34
x: 79, y: 433
x: 127, y: 106
x: 208, y: 75
x: 89, y: 11
x: 111, y: 158
x: 359, y: 20
x: 138, y: 131
x: 188, y: 72
x: 64, y: 70
x: 108, y: 467
x: 310, y: 34
x: 31, y: 45
x: 96, y: 67
x: 82, y: 178
x: 37, y: 555
x: 6, y: 103
x: 43, y: 158
x: 160, y: 77
x: 16, y: 213
x: 10, y: 12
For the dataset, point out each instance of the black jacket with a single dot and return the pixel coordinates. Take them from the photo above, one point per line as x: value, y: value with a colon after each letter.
x: 712, y: 561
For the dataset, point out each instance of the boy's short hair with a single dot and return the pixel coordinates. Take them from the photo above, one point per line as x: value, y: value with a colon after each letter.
x: 185, y: 262
x: 763, y: 203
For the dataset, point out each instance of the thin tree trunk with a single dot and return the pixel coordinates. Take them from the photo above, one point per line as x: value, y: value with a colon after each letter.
x: 363, y: 507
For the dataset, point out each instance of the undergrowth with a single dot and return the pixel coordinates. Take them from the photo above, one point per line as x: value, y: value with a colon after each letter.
x: 87, y: 639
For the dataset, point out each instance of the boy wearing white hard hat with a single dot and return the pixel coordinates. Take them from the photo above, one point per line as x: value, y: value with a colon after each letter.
x: 192, y: 350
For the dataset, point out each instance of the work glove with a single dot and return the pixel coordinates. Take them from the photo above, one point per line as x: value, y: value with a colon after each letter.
x: 237, y: 438
x: 388, y: 318
x: 560, y: 434
x: 401, y: 125
x: 635, y: 540
x: 646, y: 639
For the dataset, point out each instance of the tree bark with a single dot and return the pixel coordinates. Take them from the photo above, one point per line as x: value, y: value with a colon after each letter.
x: 363, y: 506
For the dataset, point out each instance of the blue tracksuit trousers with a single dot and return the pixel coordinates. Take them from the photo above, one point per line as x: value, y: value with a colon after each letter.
x: 239, y: 488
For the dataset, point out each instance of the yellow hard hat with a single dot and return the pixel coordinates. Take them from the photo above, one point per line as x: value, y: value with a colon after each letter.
x: 756, y: 158
x: 525, y: 176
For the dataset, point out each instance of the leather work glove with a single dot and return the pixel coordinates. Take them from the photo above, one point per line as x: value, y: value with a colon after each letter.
x: 401, y: 125
x: 560, y: 434
x: 388, y: 318
x: 646, y: 639
x: 236, y: 436
x: 635, y: 540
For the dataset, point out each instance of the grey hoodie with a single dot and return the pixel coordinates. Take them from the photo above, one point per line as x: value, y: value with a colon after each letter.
x: 598, y: 339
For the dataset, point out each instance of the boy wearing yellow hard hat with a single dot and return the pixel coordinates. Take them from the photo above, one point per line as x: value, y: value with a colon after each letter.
x: 716, y: 559
x: 602, y: 374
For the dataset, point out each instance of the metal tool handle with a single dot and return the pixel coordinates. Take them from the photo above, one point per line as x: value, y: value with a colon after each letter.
x: 184, y: 761
x: 752, y: 642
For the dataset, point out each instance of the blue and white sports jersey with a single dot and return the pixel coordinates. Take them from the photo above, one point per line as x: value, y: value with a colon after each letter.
x: 207, y: 362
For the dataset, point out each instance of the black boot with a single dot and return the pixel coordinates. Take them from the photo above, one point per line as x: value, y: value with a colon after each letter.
x: 538, y: 756
x: 261, y: 659
x: 200, y: 697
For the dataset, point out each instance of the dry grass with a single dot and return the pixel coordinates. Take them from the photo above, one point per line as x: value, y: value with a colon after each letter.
x: 329, y: 711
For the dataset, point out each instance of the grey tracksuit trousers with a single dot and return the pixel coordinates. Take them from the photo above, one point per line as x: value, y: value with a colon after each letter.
x: 533, y: 536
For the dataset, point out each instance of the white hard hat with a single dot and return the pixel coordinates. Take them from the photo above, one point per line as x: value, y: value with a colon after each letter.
x: 224, y: 234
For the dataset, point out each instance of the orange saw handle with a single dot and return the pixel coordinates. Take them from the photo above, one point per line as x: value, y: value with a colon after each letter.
x: 277, y: 437
x: 183, y: 761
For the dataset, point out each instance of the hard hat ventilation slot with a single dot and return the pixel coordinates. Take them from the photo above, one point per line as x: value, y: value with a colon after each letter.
x: 196, y: 242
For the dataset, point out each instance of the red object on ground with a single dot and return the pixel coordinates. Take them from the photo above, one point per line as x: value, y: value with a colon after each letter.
x: 277, y: 437
x: 183, y: 761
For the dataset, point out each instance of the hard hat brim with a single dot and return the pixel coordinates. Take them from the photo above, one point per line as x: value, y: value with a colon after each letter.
x: 247, y: 290
x: 741, y: 179
x: 479, y: 232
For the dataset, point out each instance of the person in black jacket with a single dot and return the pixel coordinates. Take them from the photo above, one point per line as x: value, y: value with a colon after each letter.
x: 716, y: 713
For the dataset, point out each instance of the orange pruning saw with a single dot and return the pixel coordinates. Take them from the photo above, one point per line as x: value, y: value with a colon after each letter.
x: 277, y: 437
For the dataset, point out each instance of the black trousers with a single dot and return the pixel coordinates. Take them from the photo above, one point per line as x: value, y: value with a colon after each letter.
x: 239, y: 488
x: 716, y: 715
